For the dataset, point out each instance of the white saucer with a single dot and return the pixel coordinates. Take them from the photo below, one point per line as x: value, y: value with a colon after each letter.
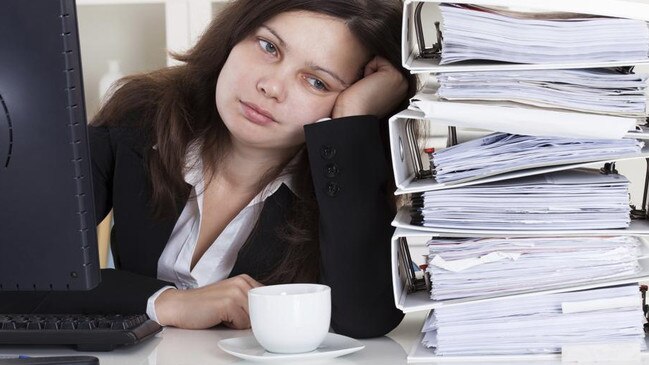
x: 249, y: 349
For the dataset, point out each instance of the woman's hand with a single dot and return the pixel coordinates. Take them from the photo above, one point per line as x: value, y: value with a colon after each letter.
x: 380, y: 90
x: 225, y: 302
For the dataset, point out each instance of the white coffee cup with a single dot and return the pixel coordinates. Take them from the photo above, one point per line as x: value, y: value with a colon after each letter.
x: 290, y: 318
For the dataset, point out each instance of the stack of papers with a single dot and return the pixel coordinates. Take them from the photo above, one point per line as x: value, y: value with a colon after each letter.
x: 501, y: 152
x: 537, y: 324
x: 481, y: 33
x: 564, y: 200
x: 473, y: 267
x: 517, y: 118
x: 545, y: 232
x: 603, y: 91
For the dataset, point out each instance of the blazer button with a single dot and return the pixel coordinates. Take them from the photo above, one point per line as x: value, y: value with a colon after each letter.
x: 332, y: 170
x: 327, y: 152
x: 332, y: 188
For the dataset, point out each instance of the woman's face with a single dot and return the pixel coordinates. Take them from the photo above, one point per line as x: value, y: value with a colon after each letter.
x: 286, y: 74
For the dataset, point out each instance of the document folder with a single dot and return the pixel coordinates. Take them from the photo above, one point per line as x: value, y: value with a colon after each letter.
x: 517, y: 118
x: 630, y: 355
x: 611, y: 8
x: 410, y: 176
x: 408, y: 301
x: 638, y: 227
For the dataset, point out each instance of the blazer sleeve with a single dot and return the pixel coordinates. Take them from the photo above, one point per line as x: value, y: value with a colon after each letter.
x: 350, y: 174
x: 120, y: 292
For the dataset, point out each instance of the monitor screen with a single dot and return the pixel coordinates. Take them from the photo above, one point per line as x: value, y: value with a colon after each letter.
x: 48, y: 237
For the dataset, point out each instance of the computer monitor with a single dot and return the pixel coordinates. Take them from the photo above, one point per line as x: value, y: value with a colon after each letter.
x: 48, y: 237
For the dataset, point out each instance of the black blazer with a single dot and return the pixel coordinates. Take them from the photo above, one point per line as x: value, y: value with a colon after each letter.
x: 350, y: 176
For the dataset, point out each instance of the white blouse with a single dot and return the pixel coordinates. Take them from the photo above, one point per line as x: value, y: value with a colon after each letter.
x: 217, y: 262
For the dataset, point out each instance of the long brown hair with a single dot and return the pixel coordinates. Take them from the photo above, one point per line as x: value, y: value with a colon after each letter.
x: 176, y: 106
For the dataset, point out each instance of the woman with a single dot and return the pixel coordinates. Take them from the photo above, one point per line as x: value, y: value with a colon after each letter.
x: 212, y: 189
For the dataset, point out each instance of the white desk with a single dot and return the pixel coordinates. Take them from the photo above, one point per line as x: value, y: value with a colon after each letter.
x: 190, y: 347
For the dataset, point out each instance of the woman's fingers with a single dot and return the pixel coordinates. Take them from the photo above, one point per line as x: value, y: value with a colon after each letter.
x: 223, y: 302
x: 250, y: 281
x: 237, y: 318
x: 381, y: 89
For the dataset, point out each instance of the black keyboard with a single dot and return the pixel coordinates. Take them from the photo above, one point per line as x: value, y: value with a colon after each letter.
x: 85, y: 332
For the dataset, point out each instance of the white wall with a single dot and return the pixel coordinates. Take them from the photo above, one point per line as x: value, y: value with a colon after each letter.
x: 134, y: 34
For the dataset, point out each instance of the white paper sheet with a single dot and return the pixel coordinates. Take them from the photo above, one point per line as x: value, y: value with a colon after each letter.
x: 531, y: 38
x: 604, y: 91
x: 565, y: 200
x: 500, y: 152
x: 534, y: 325
x: 464, y: 268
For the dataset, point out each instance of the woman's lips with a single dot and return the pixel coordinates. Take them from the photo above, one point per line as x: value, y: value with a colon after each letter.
x: 256, y: 114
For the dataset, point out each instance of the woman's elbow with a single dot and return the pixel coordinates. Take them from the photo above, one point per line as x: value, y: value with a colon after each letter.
x: 368, y: 324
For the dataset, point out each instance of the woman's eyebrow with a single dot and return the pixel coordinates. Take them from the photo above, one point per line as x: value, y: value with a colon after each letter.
x: 330, y: 73
x: 313, y: 66
x: 281, y: 41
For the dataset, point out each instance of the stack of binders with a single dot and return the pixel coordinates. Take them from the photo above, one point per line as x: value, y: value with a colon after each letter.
x: 532, y: 250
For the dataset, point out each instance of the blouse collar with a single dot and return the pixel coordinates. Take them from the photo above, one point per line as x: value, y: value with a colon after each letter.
x: 193, y: 174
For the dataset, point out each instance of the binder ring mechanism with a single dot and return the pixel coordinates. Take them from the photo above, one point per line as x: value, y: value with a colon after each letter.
x: 643, y: 212
x: 436, y: 49
x: 415, y: 158
x: 420, y: 172
x: 418, y: 280
x: 645, y: 307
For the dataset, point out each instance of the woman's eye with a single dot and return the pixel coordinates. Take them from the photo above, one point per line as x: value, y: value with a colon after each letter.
x: 267, y: 46
x: 316, y: 83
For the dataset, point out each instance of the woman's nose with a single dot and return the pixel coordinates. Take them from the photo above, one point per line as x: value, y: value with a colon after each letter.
x: 272, y: 87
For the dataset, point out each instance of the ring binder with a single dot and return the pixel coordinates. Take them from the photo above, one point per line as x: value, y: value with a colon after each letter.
x: 609, y: 168
x: 452, y: 136
x: 420, y: 172
x: 645, y: 306
x: 413, y: 284
x: 643, y: 212
x: 433, y: 52
x: 419, y: 58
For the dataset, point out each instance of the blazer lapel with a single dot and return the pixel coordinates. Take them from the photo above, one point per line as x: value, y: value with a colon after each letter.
x: 264, y: 249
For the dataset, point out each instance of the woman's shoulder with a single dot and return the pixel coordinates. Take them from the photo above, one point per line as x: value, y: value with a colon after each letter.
x: 131, y: 131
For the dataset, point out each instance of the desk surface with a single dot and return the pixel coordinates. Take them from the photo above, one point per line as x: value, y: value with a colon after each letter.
x: 177, y: 347
x: 191, y: 347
